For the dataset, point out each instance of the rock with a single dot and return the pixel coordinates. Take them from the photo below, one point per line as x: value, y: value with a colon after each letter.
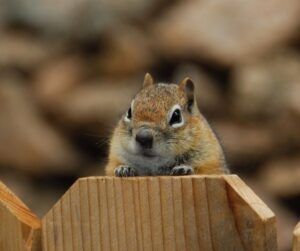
x: 245, y: 144
x: 18, y: 49
x: 27, y: 141
x: 267, y: 88
x: 281, y: 177
x: 57, y: 77
x: 286, y: 129
x: 226, y: 31
x: 2, y: 15
x: 101, y: 102
x: 127, y: 52
x: 293, y: 96
x: 77, y: 18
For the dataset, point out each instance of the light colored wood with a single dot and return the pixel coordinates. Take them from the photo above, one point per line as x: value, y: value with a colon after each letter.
x: 296, y: 238
x: 19, y: 227
x: 216, y: 213
x: 224, y: 234
x: 247, y: 208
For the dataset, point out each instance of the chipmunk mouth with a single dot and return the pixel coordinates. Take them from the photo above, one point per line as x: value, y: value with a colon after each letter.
x: 145, y: 152
x: 148, y: 155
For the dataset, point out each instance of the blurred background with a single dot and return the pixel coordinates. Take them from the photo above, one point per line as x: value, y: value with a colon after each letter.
x: 68, y: 70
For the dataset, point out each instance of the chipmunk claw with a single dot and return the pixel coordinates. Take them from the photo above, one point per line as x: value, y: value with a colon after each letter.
x: 125, y: 171
x: 181, y: 170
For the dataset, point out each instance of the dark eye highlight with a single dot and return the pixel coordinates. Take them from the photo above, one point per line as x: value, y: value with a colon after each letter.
x: 176, y: 117
x: 129, y: 113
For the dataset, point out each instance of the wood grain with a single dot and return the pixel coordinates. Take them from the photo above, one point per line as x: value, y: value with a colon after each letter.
x: 215, y: 213
x: 296, y: 238
x: 247, y: 208
x: 19, y: 227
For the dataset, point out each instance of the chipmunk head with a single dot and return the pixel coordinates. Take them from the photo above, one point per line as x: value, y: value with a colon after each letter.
x: 158, y: 120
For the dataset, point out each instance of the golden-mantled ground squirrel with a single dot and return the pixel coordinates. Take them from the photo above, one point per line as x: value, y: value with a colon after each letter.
x: 163, y: 133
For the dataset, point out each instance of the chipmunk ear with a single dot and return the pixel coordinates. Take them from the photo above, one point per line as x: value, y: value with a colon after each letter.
x: 188, y: 87
x: 148, y: 80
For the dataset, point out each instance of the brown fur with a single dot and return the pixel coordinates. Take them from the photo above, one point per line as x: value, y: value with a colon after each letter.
x: 194, y: 143
x: 112, y: 164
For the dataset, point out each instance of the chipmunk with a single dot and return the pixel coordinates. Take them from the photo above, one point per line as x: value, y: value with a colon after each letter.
x: 163, y: 133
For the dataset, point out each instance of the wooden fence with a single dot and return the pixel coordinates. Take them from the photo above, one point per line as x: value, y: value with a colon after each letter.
x: 296, y: 240
x: 145, y: 213
x: 19, y: 227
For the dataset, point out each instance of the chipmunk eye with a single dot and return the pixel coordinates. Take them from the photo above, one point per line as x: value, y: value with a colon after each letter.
x: 129, y: 115
x: 176, y: 117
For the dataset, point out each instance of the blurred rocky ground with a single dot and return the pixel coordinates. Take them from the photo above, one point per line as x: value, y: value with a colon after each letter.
x: 68, y: 70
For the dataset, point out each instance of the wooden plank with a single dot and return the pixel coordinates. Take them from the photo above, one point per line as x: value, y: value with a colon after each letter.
x: 119, y: 200
x: 224, y: 234
x: 189, y: 215
x: 178, y: 214
x: 255, y: 221
x: 145, y: 216
x: 167, y: 214
x: 296, y: 238
x: 58, y: 227
x: 19, y: 228
x: 94, y: 213
x: 202, y: 213
x: 160, y: 213
x: 155, y: 213
x: 76, y: 219
x: 48, y: 238
x: 112, y: 215
x: 104, y: 222
x: 67, y: 222
x: 137, y: 214
x: 85, y: 221
x: 129, y: 214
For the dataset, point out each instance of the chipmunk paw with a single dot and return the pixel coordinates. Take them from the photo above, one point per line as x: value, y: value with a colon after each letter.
x: 125, y: 171
x: 181, y: 170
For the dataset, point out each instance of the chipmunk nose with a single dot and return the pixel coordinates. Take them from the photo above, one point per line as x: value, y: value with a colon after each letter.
x: 145, y: 138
